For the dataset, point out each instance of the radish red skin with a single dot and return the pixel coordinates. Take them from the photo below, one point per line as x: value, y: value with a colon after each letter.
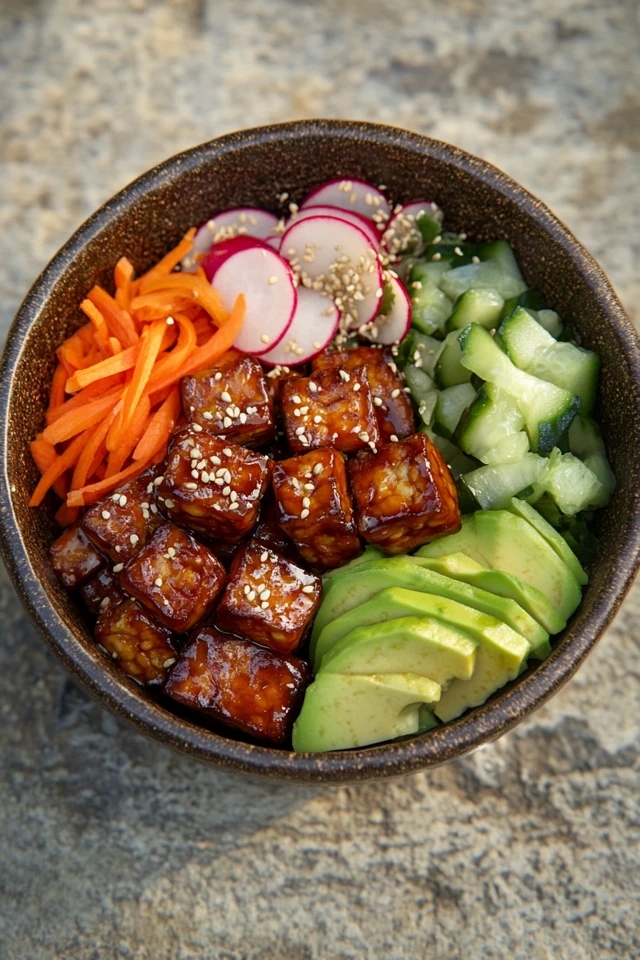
x: 395, y: 326
x: 204, y: 238
x: 329, y: 193
x: 351, y: 216
x: 221, y: 251
x: 323, y: 330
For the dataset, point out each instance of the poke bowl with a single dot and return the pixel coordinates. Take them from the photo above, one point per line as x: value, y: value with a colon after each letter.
x: 318, y: 452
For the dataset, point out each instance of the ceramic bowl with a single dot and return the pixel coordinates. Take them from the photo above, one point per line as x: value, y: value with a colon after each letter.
x: 251, y: 168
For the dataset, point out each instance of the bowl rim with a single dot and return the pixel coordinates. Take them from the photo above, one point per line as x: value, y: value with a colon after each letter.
x: 393, y: 758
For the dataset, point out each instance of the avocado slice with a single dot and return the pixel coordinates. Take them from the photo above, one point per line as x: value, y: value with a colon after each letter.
x: 369, y: 553
x: 534, y: 603
x: 523, y: 509
x: 502, y: 541
x: 396, y: 604
x: 360, y: 585
x: 343, y: 711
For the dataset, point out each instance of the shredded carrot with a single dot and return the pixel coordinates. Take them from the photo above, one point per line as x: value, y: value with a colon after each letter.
x: 115, y: 394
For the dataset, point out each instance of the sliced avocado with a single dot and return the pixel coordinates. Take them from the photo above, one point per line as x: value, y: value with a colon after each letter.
x: 341, y: 712
x: 502, y: 541
x: 360, y: 585
x: 397, y: 606
x: 534, y: 604
x: 523, y: 509
x: 369, y: 553
x: 411, y: 644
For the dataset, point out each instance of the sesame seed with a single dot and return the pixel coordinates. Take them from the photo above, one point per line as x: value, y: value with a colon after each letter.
x: 304, y: 514
x: 308, y: 589
x: 158, y: 581
x: 264, y: 557
x: 158, y: 481
x: 133, y: 539
x: 204, y: 476
x: 233, y: 496
x: 344, y: 376
x: 306, y: 502
x: 191, y: 486
x: 218, y: 376
x: 317, y: 469
x: 227, y: 422
x: 171, y: 551
x: 418, y: 362
x: 299, y: 431
x: 458, y: 251
x: 265, y: 594
x: 118, y: 548
x: 313, y: 387
x: 272, y: 280
x: 264, y: 605
x: 363, y: 435
x: 304, y: 410
x: 105, y: 602
x: 308, y: 486
x: 436, y: 256
x: 356, y: 387
x: 317, y: 418
x: 393, y: 438
x: 170, y: 662
x: 265, y: 338
x: 227, y: 476
x: 243, y: 418
x: 195, y: 454
x: 145, y: 506
x: 296, y: 398
x: 106, y: 515
x: 247, y: 588
x: 234, y: 506
x: 226, y: 396
x: 396, y: 393
x: 216, y: 461
x: 170, y: 321
x: 196, y: 427
x: 475, y: 259
x: 226, y: 491
x: 296, y: 412
x: 118, y: 567
x: 230, y: 411
x: 308, y: 475
x: 207, y: 415
x: 251, y: 595
x: 227, y: 451
x: 377, y: 401
x: 169, y: 504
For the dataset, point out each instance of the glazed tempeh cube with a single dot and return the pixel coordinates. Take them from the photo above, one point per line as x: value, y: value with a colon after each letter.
x: 404, y: 495
x: 142, y: 647
x: 239, y: 683
x: 212, y: 485
x: 276, y: 378
x: 174, y: 577
x: 102, y: 591
x: 333, y: 408
x: 121, y: 524
x: 74, y: 559
x: 231, y: 400
x: 394, y: 409
x: 315, y: 507
x: 268, y: 599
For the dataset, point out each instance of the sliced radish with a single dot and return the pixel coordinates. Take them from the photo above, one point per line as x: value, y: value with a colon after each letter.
x: 332, y: 256
x: 240, y: 221
x: 325, y: 210
x: 315, y: 324
x: 221, y: 251
x: 394, y: 326
x: 401, y: 234
x: 350, y: 194
x: 267, y: 282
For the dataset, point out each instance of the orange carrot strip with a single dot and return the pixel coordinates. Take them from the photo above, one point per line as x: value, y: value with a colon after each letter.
x: 220, y: 342
x: 183, y: 348
x: 119, y: 363
x: 98, y: 321
x: 44, y: 454
x: 95, y: 491
x: 114, y: 346
x: 57, y: 395
x: 188, y: 286
x: 160, y: 426
x: 123, y: 277
x: 83, y: 468
x: 58, y: 467
x: 76, y: 421
x: 99, y: 389
x: 143, y: 369
x: 129, y: 439
x: 173, y: 258
x: 118, y: 320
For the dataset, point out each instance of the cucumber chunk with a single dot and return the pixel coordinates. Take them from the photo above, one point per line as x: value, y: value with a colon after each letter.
x: 451, y: 404
x: 547, y: 409
x: 494, y: 485
x: 449, y: 371
x: 500, y: 252
x: 476, y: 306
x: 423, y: 392
x: 452, y: 249
x: 455, y: 459
x: 532, y: 300
x: 585, y: 441
x: 430, y: 307
x: 487, y: 274
x: 533, y: 349
x: 571, y: 484
x: 428, y: 350
x: 432, y: 270
x: 513, y: 447
x: 550, y: 320
x: 492, y: 417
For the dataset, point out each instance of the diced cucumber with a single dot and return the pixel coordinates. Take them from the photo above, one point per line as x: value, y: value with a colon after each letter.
x: 532, y: 300
x: 476, y: 306
x: 428, y: 350
x: 452, y: 248
x: 550, y: 320
x: 547, y: 409
x: 451, y: 404
x: 430, y: 307
x: 493, y: 486
x: 533, y: 349
x: 512, y: 447
x: 501, y: 253
x: 423, y: 392
x: 585, y: 441
x: 449, y: 371
x: 455, y: 459
x: 487, y: 274
x: 493, y: 416
x: 429, y: 269
x: 571, y: 484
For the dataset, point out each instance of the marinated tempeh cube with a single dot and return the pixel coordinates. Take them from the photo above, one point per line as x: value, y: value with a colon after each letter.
x: 268, y: 598
x: 142, y: 647
x: 102, y: 591
x: 174, y: 577
x: 239, y: 683
x: 404, y: 495
x: 394, y: 409
x: 74, y: 559
x: 315, y: 507
x: 231, y: 400
x: 121, y: 524
x: 211, y: 485
x: 276, y: 377
x: 333, y: 408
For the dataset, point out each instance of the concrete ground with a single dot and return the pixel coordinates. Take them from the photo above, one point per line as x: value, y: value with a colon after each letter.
x: 111, y: 846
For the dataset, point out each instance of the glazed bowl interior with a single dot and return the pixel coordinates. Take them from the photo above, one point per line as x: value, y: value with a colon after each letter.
x: 252, y: 168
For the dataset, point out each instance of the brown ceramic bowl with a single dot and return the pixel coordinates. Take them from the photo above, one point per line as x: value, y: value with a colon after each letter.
x: 251, y: 168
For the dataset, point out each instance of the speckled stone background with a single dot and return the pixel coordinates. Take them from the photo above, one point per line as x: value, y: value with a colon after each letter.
x: 111, y: 847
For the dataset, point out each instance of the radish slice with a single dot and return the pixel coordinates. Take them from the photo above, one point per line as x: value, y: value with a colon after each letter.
x: 401, y: 234
x: 315, y: 324
x: 269, y: 289
x: 220, y: 252
x: 354, y: 195
x: 240, y: 221
x: 333, y: 255
x: 355, y: 218
x: 394, y: 326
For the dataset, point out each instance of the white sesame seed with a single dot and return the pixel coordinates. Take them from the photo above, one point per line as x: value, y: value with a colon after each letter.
x: 264, y: 605
x: 308, y: 589
x: 227, y: 451
x: 272, y: 280
x: 247, y: 588
x: 317, y: 469
x: 105, y: 602
x: 243, y: 418
x: 436, y: 256
x: 296, y: 398
x: 377, y: 401
x: 393, y: 438
x: 227, y: 476
x: 227, y: 422
x: 475, y: 259
x: 116, y: 496
x: 158, y: 481
x: 265, y: 338
x: 295, y: 482
x: 191, y: 486
x: 171, y: 551
x: 226, y: 491
x: 299, y: 431
x: 218, y: 376
x: 356, y: 387
x: 296, y: 412
x: 396, y: 393
x: 363, y: 435
x: 234, y: 506
x: 207, y: 415
x: 344, y: 376
x: 264, y: 557
x: 308, y: 486
x: 118, y: 567
x: 118, y: 548
x: 304, y: 411
x: 306, y: 502
x: 265, y: 594
x: 304, y: 514
x: 133, y: 539
x: 169, y: 504
x: 106, y: 515
x: 216, y: 461
x: 170, y: 662
x: 196, y: 427
x: 195, y: 454
x: 225, y: 396
x: 158, y: 581
x: 170, y: 321
x: 458, y: 251
x: 313, y: 387
x: 233, y: 496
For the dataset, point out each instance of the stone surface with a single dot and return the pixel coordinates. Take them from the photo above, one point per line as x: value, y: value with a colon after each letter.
x: 114, y: 848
